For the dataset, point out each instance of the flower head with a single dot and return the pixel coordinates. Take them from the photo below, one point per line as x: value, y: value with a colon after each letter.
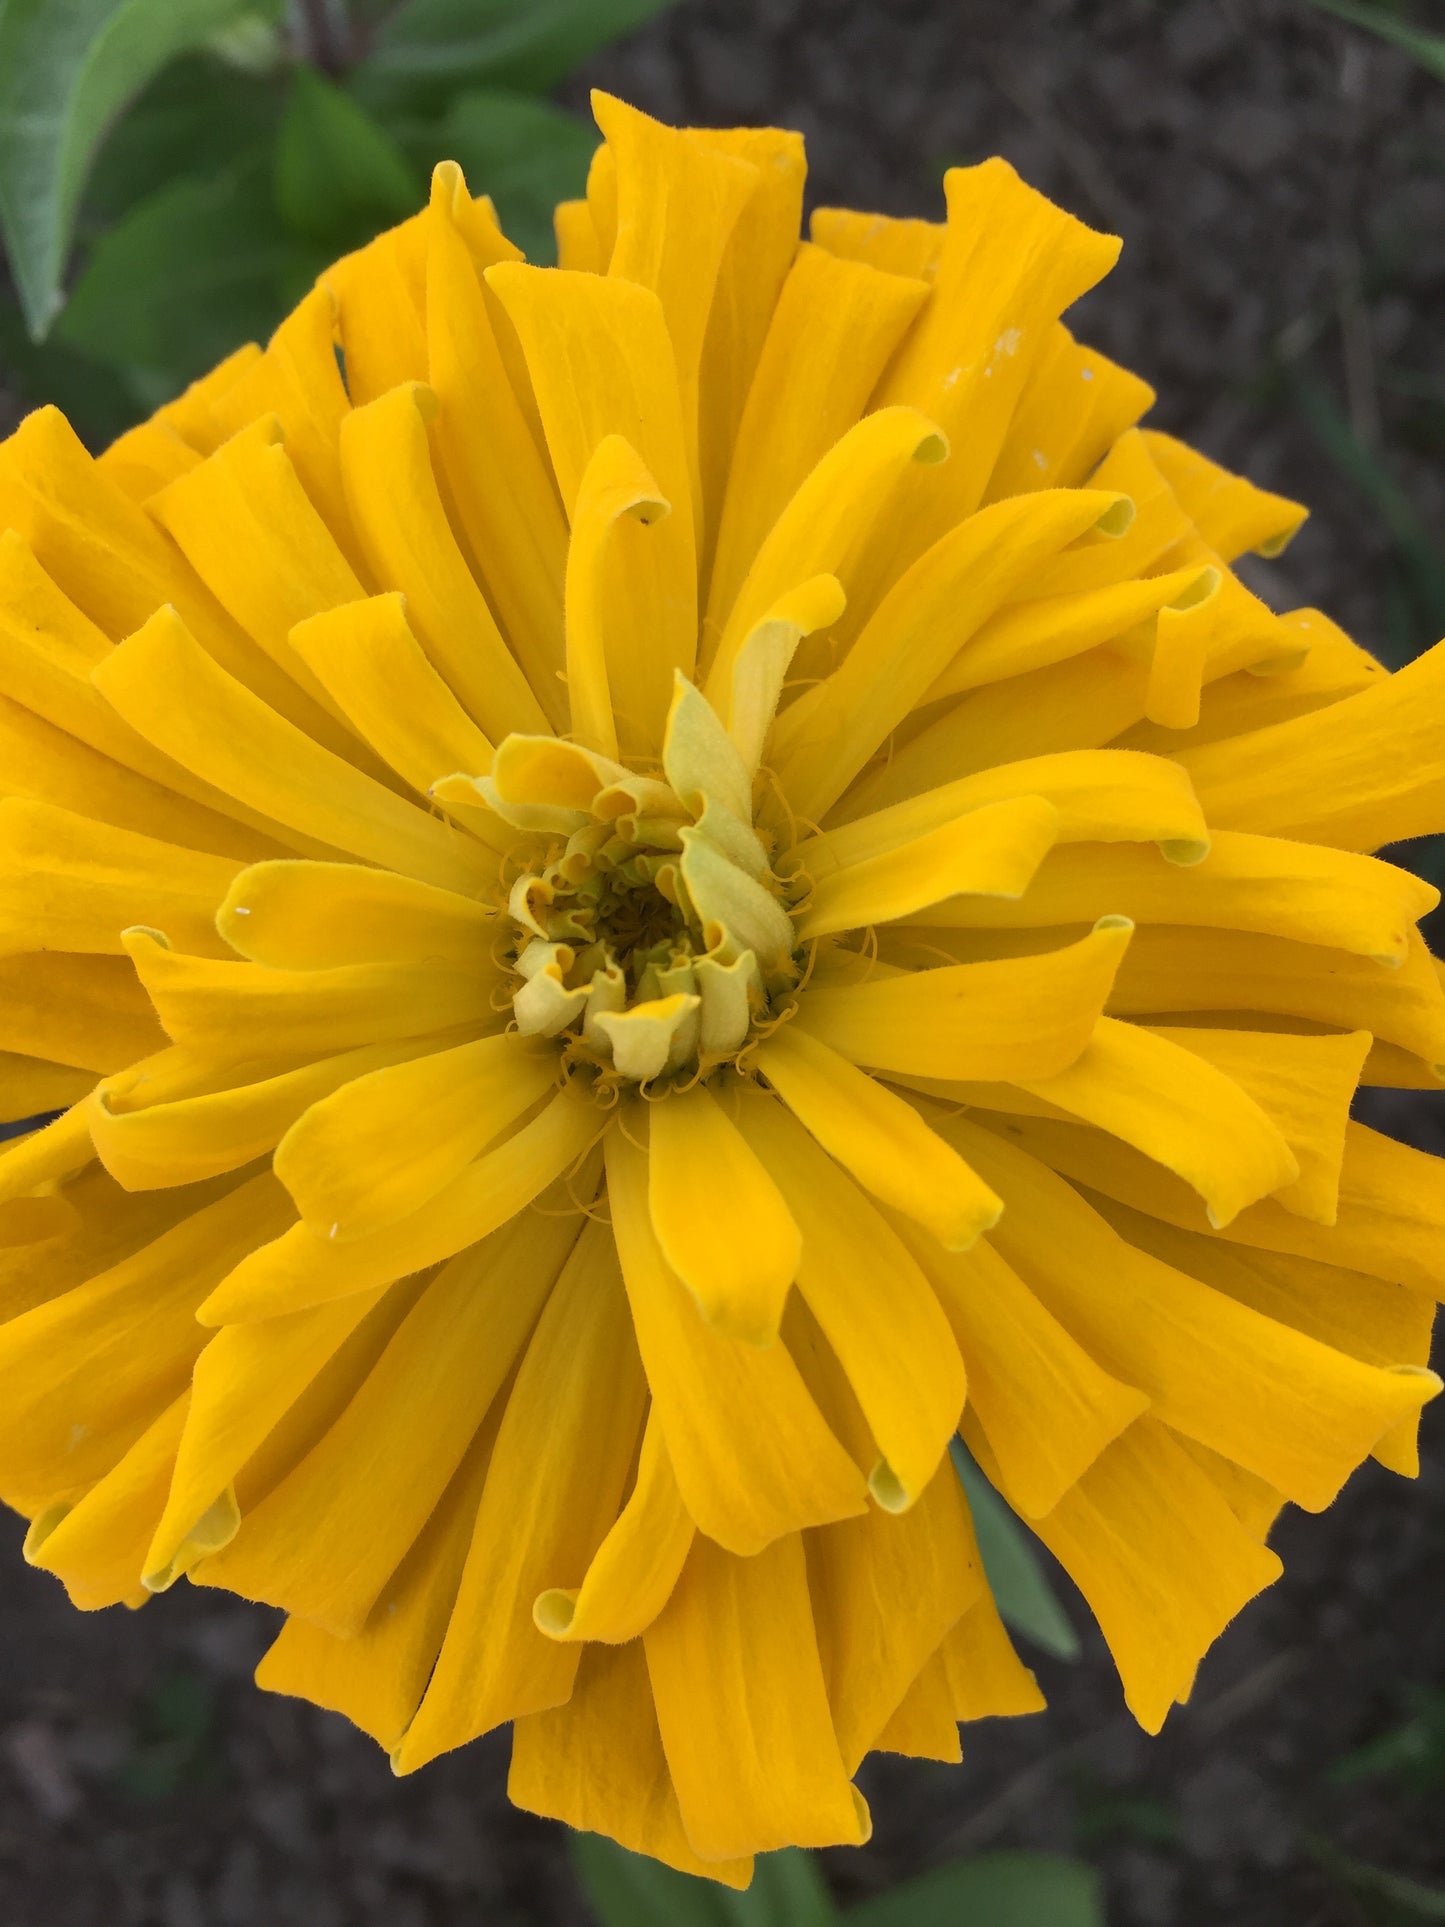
x: 644, y: 888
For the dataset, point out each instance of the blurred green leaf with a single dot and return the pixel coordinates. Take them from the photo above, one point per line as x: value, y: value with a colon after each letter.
x: 1427, y: 48
x: 197, y: 117
x: 171, y: 1739
x: 186, y: 277
x: 97, y: 398
x: 429, y: 50
x: 67, y: 68
x: 995, y: 1890
x: 1403, y: 1900
x: 629, y: 1890
x: 340, y: 177
x: 526, y: 154
x: 1021, y: 1592
x: 1413, y: 1751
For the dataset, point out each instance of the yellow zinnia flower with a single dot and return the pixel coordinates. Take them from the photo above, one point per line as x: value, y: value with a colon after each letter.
x: 681, y: 873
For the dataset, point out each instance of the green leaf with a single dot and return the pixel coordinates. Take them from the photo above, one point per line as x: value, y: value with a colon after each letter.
x: 98, y: 400
x: 198, y: 117
x: 629, y: 1890
x: 526, y: 154
x: 340, y: 178
x: 1021, y: 1592
x: 189, y: 275
x: 1426, y: 48
x: 1404, y: 1899
x: 996, y: 1890
x: 67, y: 68
x: 429, y: 50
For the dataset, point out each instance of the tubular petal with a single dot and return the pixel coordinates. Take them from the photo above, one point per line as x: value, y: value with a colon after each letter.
x: 741, y: 1702
x: 719, y: 1218
x: 752, y: 1456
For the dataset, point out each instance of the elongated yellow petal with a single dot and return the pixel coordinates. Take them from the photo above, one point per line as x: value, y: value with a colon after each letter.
x: 367, y: 658
x: 986, y: 1677
x: 886, y: 1591
x: 1169, y: 969
x: 408, y: 541
x: 719, y: 1218
x: 95, y: 1548
x: 749, y: 705
x: 168, y: 689
x: 1230, y: 512
x: 637, y: 1565
x: 825, y: 522
x: 70, y: 883
x: 89, y: 1369
x: 1024, y: 1017
x: 342, y: 1161
x: 315, y: 916
x: 1161, y: 1559
x: 298, y: 1270
x: 1103, y: 796
x: 1322, y: 778
x: 377, y: 1676
x: 827, y: 736
x: 1147, y: 1088
x: 741, y: 1702
x: 876, y: 1309
x: 554, y: 1486
x: 602, y: 656
x: 46, y: 1155
x: 1022, y: 1360
x: 245, y: 1381
x: 879, y: 1137
x: 30, y: 1085
x: 751, y: 1453
x: 1259, y: 883
x: 245, y: 1010
x: 835, y: 326
x: 597, y: 1764
x: 326, y: 1539
x: 160, y: 1124
x: 1280, y: 1404
x: 1074, y: 406
x: 991, y: 852
x: 85, y: 1011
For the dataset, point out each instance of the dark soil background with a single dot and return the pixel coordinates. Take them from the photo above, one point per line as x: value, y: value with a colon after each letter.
x: 1279, y: 180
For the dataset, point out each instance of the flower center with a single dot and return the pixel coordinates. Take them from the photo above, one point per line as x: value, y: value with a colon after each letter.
x: 650, y: 934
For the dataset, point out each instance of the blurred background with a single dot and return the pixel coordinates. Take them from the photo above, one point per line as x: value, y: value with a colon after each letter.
x: 1277, y: 171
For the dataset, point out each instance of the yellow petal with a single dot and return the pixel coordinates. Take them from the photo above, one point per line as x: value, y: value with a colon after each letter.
x: 603, y: 661
x: 554, y: 1486
x: 990, y: 852
x: 886, y: 1591
x: 1074, y: 406
x: 878, y: 1137
x: 743, y: 1710
x: 1229, y: 511
x: 1327, y: 777
x: 351, y: 1175
x: 30, y: 1085
x: 96, y: 1548
x: 827, y: 736
x: 1149, y: 1089
x: 168, y: 689
x: 877, y: 1310
x: 597, y: 1764
x: 922, y: 1726
x: 752, y: 1456
x: 718, y: 1217
x: 325, y: 1540
x: 986, y: 1677
x: 70, y: 883
x: 830, y: 336
x: 751, y: 702
x: 632, y: 1575
x: 85, y: 1011
x: 298, y: 1269
x: 1161, y: 1559
x: 161, y: 1124
x: 1280, y: 1404
x: 409, y: 545
x: 1259, y: 883
x: 315, y: 916
x: 89, y: 1370
x: 1023, y: 1016
x: 223, y: 1010
x: 368, y: 660
x: 45, y: 1156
